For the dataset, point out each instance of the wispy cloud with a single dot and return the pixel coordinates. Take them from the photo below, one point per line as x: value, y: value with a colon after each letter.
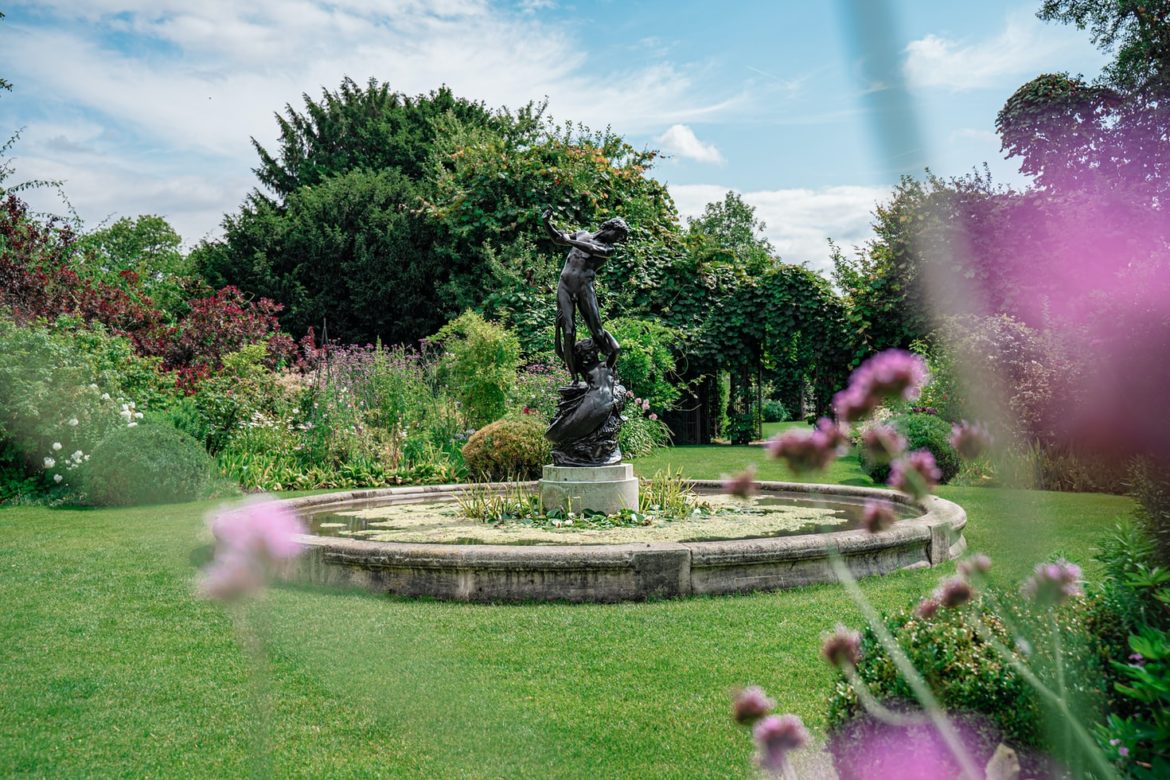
x: 1024, y: 48
x: 798, y: 221
x: 164, y: 79
x: 682, y: 141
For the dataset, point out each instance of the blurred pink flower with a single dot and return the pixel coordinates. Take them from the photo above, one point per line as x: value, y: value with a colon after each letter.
x: 248, y: 537
x: 878, y: 516
x: 1054, y: 583
x: 865, y: 749
x: 954, y: 592
x: 854, y: 403
x: 916, y: 473
x: 743, y: 484
x: 232, y: 574
x: 653, y: 416
x: 645, y: 406
x: 814, y: 450
x: 259, y: 526
x: 775, y: 736
x: 882, y: 443
x: 927, y: 608
x: 842, y: 647
x: 970, y: 440
x: 893, y: 373
x: 751, y: 704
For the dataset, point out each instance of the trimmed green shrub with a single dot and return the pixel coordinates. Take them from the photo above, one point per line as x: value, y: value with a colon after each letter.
x: 922, y: 431
x: 513, y: 448
x: 151, y: 463
x: 774, y: 411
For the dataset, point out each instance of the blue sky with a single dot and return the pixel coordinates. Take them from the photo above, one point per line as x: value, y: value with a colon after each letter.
x: 147, y: 106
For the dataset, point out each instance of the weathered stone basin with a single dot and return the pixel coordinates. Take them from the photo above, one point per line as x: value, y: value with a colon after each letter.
x: 931, y: 534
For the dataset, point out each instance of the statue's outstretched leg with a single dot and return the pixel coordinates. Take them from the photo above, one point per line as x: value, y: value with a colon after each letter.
x: 566, y: 331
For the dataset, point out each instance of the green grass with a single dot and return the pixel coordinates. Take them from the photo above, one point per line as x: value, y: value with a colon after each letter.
x: 113, y: 668
x: 712, y: 462
x: 773, y: 428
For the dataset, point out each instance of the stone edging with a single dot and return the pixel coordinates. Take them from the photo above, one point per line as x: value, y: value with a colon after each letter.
x: 622, y: 572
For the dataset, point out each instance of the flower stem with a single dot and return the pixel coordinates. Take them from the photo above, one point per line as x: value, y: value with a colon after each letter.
x: 875, y: 707
x: 1088, y: 745
x: 1061, y: 688
x: 918, y: 686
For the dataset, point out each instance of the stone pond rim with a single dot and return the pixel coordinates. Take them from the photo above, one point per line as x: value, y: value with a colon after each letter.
x: 621, y: 572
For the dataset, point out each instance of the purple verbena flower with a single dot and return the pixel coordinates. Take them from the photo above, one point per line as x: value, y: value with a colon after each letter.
x: 853, y: 404
x: 882, y: 443
x: 916, y: 473
x: 814, y: 450
x: 260, y: 526
x: 954, y: 592
x: 1054, y: 583
x: 842, y: 647
x: 970, y: 440
x: 878, y: 516
x: 893, y: 373
x: 976, y: 564
x: 775, y: 736
x: 248, y: 537
x: 743, y: 484
x: 751, y: 704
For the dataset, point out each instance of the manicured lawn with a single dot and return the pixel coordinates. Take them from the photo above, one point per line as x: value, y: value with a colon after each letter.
x: 706, y: 462
x: 113, y: 668
x: 773, y: 428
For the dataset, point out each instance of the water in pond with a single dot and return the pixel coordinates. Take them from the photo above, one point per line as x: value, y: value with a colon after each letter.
x: 441, y: 521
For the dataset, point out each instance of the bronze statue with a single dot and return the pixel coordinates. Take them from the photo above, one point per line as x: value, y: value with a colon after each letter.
x: 584, y: 430
x: 588, y: 252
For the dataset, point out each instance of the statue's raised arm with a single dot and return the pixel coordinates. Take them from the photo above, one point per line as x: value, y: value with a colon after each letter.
x: 557, y: 236
x: 590, y: 244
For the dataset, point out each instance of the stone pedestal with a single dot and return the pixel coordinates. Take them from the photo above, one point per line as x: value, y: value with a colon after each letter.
x: 605, y: 489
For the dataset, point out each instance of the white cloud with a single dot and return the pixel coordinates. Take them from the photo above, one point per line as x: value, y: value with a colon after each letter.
x: 798, y: 221
x: 682, y: 141
x: 103, y: 188
x: 1026, y: 47
x: 194, y: 81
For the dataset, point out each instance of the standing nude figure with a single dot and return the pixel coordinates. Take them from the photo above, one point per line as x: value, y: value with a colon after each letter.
x: 588, y: 252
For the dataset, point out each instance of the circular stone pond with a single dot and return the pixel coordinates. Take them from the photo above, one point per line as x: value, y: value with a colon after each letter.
x: 415, y: 541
